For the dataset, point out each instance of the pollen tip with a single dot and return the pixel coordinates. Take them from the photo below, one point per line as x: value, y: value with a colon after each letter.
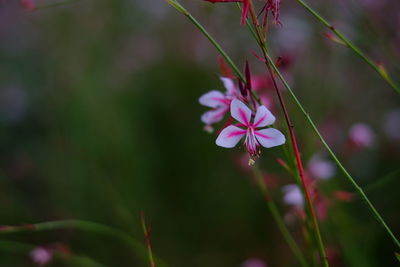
x: 251, y: 162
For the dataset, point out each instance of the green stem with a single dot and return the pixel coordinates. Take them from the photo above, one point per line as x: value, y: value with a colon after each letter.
x: 278, y: 218
x: 350, y: 45
x: 181, y: 9
x: 84, y: 226
x: 148, y: 243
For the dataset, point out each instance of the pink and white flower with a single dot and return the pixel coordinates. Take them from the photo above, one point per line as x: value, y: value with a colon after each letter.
x: 218, y: 101
x: 255, y: 137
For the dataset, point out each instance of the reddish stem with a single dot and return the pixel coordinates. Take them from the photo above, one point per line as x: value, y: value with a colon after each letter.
x: 146, y: 232
x: 294, y: 142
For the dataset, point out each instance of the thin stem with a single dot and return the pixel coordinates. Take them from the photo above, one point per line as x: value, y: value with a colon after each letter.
x: 278, y: 218
x: 84, y: 226
x: 299, y: 162
x: 181, y: 9
x: 147, y: 236
x: 350, y: 45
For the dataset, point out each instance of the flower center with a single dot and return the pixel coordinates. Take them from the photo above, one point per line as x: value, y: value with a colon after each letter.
x: 251, y: 142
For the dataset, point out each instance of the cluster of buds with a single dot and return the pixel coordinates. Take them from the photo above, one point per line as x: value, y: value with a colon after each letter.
x: 270, y: 6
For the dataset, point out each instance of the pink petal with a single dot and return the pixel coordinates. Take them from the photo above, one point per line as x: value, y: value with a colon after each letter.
x: 240, y: 112
x: 214, y: 115
x: 270, y: 137
x: 229, y: 85
x: 230, y: 136
x: 263, y: 117
x: 212, y: 99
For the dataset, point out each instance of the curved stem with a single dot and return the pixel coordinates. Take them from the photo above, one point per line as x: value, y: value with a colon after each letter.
x: 278, y: 218
x: 350, y: 45
x: 181, y: 9
x: 84, y: 226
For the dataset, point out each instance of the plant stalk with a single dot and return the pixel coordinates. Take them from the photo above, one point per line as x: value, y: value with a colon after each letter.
x: 278, y: 218
x: 350, y: 45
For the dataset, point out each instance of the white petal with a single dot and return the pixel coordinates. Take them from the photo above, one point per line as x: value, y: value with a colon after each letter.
x: 270, y: 137
x: 240, y: 112
x: 214, y: 115
x: 229, y: 85
x: 213, y: 99
x: 263, y: 117
x: 230, y: 136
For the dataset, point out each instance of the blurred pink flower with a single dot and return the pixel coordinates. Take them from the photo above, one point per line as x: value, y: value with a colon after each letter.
x: 292, y: 196
x: 28, y: 4
x: 321, y: 205
x: 362, y: 135
x: 259, y: 82
x: 253, y: 262
x: 255, y: 137
x: 391, y: 125
x: 343, y: 196
x: 320, y: 168
x: 218, y: 101
x: 41, y: 256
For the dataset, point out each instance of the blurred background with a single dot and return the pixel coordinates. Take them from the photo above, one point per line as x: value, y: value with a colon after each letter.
x: 99, y: 120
